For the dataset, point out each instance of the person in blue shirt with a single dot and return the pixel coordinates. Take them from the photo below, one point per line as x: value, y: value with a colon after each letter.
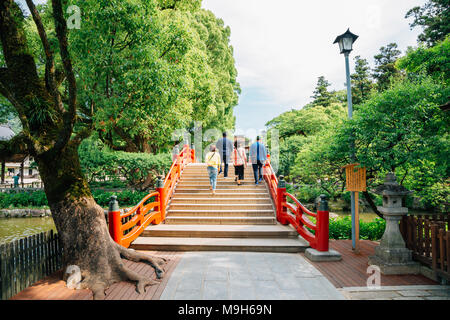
x: 258, y: 157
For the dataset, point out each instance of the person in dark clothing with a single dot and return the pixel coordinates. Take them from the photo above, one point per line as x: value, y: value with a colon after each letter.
x: 225, y: 147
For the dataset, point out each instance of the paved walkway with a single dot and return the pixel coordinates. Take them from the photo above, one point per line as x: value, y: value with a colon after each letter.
x: 247, y: 276
x: 423, y: 292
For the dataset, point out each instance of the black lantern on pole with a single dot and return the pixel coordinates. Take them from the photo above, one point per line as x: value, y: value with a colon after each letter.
x: 346, y: 41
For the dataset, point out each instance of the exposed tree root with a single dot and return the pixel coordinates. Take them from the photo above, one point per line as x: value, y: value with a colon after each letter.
x: 156, y: 262
x: 99, y: 282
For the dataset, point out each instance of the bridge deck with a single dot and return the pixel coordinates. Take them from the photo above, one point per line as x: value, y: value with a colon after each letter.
x: 349, y: 272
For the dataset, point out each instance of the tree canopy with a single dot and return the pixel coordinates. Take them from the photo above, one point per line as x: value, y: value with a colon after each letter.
x: 434, y: 18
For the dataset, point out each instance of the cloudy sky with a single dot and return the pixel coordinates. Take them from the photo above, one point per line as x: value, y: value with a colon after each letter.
x: 281, y: 47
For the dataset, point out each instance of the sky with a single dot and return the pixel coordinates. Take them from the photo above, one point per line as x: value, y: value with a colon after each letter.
x: 281, y: 47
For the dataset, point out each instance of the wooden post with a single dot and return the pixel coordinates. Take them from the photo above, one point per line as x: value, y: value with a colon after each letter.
x: 356, y: 249
x: 3, y: 170
x: 21, y: 172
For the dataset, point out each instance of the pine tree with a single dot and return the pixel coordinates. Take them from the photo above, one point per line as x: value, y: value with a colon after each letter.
x: 321, y: 96
x: 385, y: 66
x: 434, y: 17
x: 361, y: 81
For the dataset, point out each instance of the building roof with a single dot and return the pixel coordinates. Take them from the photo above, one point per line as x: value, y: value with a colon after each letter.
x: 6, y: 133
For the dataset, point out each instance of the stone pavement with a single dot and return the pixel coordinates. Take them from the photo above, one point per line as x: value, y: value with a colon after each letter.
x: 420, y: 292
x: 214, y: 275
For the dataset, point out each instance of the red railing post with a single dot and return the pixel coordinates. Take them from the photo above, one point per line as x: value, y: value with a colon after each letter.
x: 114, y: 220
x: 162, y: 197
x: 322, y: 223
x: 179, y: 161
x: 281, y: 198
x: 192, y: 154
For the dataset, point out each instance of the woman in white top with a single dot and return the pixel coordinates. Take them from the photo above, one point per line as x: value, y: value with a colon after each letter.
x: 239, y: 161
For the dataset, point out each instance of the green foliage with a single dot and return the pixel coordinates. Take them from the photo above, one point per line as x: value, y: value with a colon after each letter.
x: 139, y: 169
x: 362, y: 84
x: 126, y: 198
x: 23, y: 199
x: 309, y: 193
x: 323, y: 97
x: 150, y: 67
x: 433, y: 62
x: 400, y: 126
x: 341, y: 228
x: 385, y: 71
x: 434, y: 18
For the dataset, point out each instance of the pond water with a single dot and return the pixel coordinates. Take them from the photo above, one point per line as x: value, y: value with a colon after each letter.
x: 363, y: 216
x: 16, y: 228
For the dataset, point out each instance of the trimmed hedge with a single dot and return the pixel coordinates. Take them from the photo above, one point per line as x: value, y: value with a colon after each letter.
x: 341, y: 228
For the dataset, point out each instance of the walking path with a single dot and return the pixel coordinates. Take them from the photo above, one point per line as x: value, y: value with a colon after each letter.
x: 216, y: 275
x: 247, y: 276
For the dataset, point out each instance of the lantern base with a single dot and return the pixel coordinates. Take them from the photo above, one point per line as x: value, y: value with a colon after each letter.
x: 389, y: 268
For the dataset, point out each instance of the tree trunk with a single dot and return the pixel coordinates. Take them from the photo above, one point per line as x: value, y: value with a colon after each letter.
x: 82, y: 227
x: 372, y: 204
x: 48, y: 133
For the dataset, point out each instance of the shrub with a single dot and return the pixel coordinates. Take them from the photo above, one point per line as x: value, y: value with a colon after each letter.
x: 341, y: 228
x: 126, y: 198
x: 23, y: 199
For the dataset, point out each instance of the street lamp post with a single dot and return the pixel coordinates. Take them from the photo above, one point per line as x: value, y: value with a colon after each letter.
x: 345, y: 42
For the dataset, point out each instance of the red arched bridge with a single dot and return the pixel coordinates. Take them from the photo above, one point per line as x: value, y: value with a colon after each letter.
x: 181, y: 214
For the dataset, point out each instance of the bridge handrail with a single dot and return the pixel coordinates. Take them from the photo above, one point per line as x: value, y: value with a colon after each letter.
x: 141, y: 215
x: 297, y: 214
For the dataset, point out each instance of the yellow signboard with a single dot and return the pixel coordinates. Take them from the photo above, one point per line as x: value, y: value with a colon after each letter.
x: 356, y: 177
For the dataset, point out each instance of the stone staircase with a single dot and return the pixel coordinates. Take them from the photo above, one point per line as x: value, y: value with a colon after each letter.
x: 236, y: 218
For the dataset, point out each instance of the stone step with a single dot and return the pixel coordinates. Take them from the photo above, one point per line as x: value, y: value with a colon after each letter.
x: 218, y: 183
x: 220, y: 220
x: 207, y: 193
x: 206, y: 179
x: 216, y: 200
x: 219, y: 213
x: 220, y: 206
x: 220, y: 186
x: 220, y: 244
x: 203, y: 191
x: 220, y: 231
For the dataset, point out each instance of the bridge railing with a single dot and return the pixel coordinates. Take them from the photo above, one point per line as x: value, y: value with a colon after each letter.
x: 125, y: 227
x: 296, y: 214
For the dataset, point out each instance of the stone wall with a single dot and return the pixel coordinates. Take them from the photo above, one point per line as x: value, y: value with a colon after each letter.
x: 18, y: 213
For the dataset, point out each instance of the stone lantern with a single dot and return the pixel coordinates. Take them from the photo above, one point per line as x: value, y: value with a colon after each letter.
x: 392, y: 256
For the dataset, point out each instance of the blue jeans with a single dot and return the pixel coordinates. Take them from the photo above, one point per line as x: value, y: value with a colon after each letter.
x: 212, y: 171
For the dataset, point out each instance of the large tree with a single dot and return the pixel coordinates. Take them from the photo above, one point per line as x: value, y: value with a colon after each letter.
x: 53, y: 127
x: 434, y: 18
x: 362, y: 84
x: 321, y: 95
x: 385, y: 71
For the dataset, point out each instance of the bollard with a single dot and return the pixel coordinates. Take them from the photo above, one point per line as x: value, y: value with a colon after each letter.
x: 281, y: 198
x: 322, y: 224
x: 114, y: 220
